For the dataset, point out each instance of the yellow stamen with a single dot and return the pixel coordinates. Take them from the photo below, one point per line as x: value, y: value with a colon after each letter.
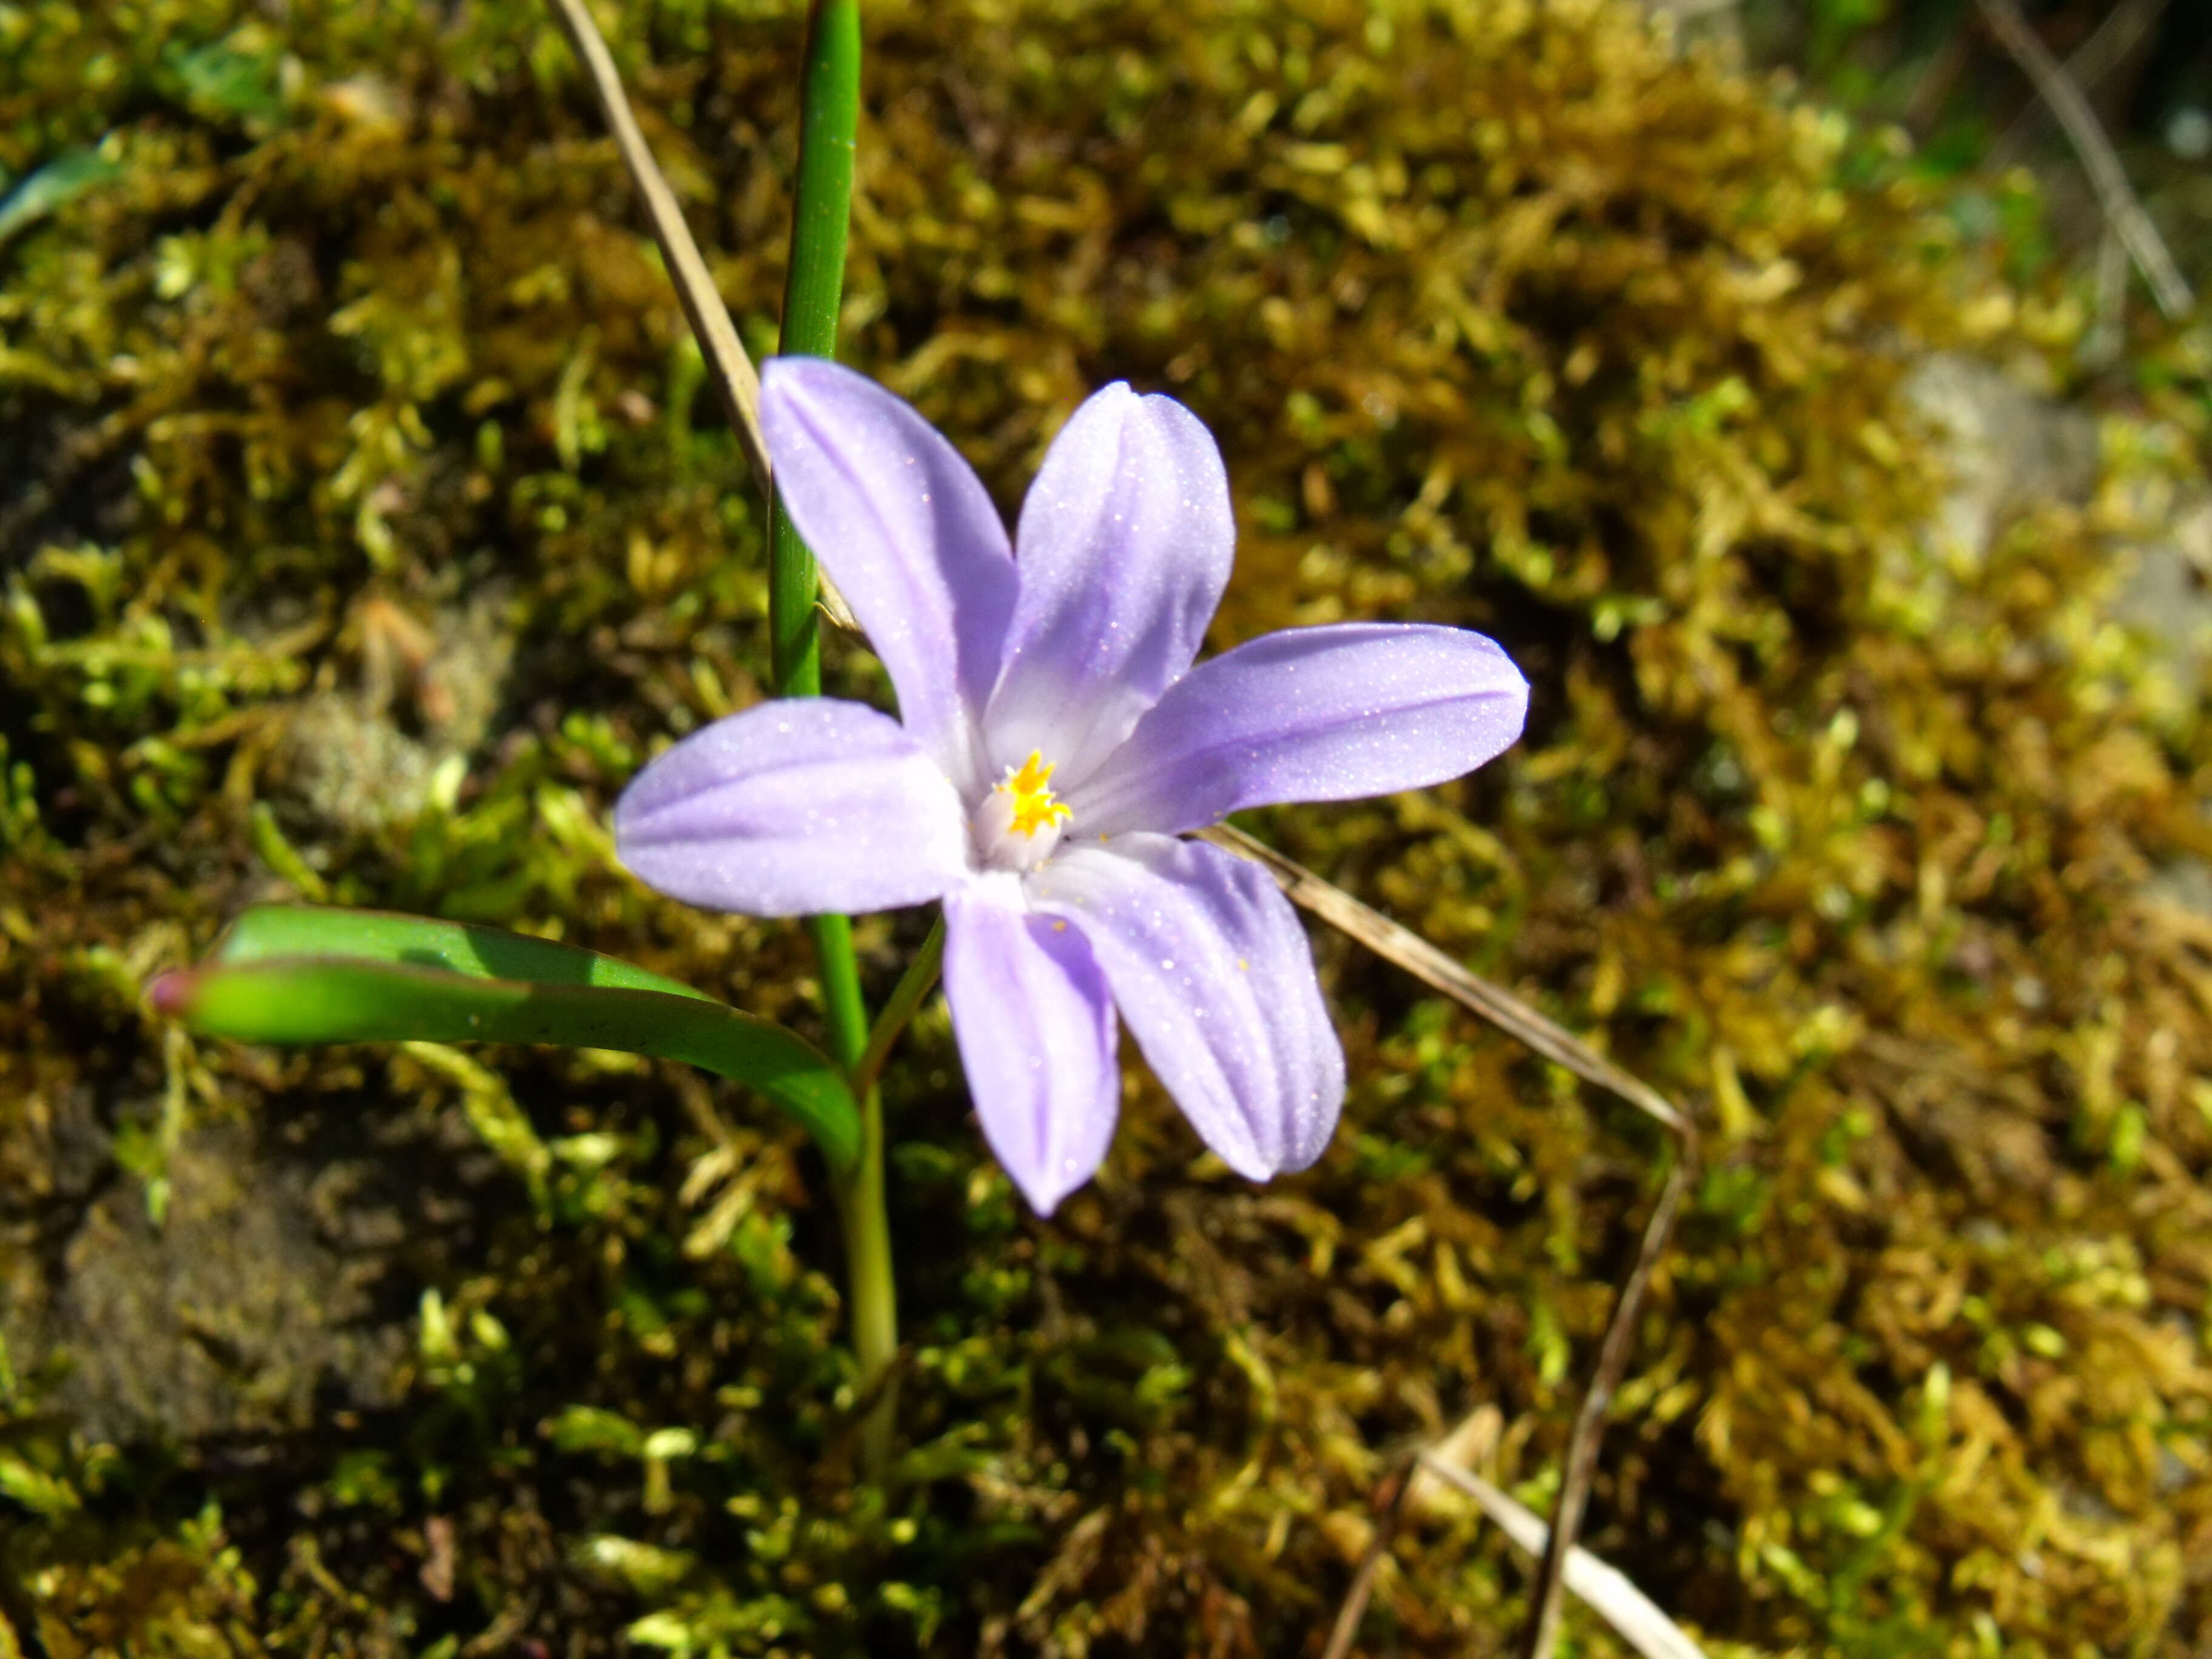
x: 1028, y: 789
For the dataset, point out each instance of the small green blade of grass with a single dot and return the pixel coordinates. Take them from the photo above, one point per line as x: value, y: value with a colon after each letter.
x: 63, y: 180
x: 298, y: 975
x: 459, y: 947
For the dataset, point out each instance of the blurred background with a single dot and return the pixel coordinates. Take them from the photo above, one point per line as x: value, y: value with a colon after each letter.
x: 1762, y: 376
x: 2144, y: 68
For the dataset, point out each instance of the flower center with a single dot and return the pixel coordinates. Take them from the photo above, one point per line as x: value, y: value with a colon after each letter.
x: 1019, y: 822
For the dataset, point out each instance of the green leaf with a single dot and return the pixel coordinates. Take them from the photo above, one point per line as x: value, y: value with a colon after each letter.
x: 221, y: 80
x: 317, y: 930
x: 296, y: 974
x: 68, y: 176
x: 646, y: 1568
x: 589, y: 1428
x: 280, y: 855
x: 33, y: 1488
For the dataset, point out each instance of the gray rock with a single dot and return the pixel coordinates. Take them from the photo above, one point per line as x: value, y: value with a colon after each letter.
x: 2005, y: 445
x: 254, y: 1302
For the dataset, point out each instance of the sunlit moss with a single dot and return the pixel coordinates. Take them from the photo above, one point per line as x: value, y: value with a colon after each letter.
x: 365, y: 522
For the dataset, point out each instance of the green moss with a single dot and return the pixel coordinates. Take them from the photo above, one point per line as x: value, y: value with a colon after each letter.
x: 364, y: 526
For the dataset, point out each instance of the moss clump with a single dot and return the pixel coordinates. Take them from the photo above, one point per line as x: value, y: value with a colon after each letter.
x: 354, y: 391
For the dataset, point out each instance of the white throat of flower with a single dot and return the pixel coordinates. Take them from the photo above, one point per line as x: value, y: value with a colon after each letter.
x: 1018, y: 823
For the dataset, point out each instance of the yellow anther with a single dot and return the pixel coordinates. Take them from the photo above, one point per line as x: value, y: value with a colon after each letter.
x: 1028, y: 791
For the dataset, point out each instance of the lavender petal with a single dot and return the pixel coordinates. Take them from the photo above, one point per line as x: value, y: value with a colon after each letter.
x: 1310, y: 713
x: 1036, y: 1030
x: 1123, y: 549
x: 1213, y: 977
x: 791, y: 808
x: 906, y: 530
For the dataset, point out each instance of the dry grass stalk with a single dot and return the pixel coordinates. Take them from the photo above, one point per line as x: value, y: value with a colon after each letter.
x: 1605, y: 1588
x: 2114, y: 194
x: 729, y: 367
x: 1409, y: 950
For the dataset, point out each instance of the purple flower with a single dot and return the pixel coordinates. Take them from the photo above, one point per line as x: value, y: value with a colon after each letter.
x: 1054, y: 743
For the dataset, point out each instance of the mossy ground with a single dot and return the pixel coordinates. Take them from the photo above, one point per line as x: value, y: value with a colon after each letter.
x: 364, y: 523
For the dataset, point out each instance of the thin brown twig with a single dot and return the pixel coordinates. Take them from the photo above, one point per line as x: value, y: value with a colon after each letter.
x: 2107, y: 336
x: 733, y: 371
x: 1581, y: 1465
x: 2109, y: 180
x: 1604, y: 1587
x: 1932, y: 87
x: 1509, y: 1014
x: 1401, y: 945
x: 2104, y: 50
x: 1390, y: 1507
x: 727, y: 365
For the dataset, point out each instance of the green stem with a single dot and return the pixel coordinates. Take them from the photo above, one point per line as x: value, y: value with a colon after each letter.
x: 813, y: 292
x: 830, y: 107
x: 873, y: 1294
x: 829, y: 113
x: 847, y: 1015
x: 867, y: 1225
x: 921, y: 975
